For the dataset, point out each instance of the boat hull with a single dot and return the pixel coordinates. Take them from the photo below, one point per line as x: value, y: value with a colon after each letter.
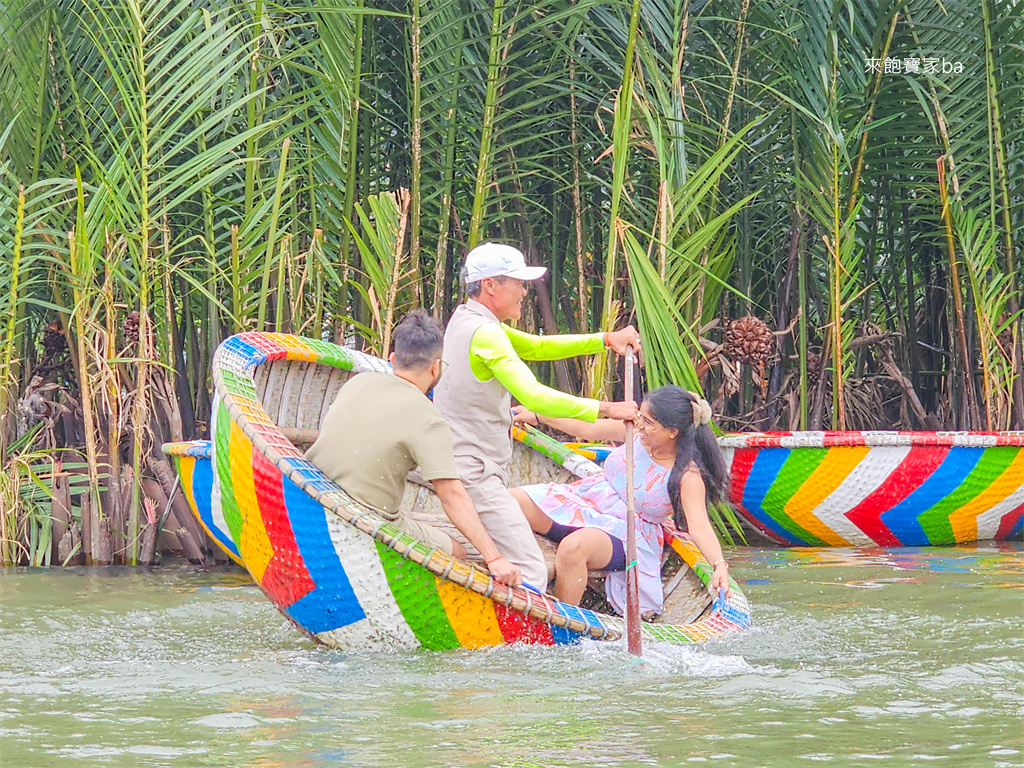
x: 878, y: 488
x: 340, y: 572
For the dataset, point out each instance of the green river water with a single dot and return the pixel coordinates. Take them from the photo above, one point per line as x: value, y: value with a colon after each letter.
x: 857, y: 658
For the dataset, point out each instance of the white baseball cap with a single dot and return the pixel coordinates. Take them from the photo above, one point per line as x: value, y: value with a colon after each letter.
x: 497, y: 260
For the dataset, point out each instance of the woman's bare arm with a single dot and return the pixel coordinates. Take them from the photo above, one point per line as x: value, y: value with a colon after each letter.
x: 693, y: 498
x: 602, y: 429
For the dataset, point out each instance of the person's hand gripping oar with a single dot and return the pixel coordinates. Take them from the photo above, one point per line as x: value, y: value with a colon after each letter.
x: 633, y: 641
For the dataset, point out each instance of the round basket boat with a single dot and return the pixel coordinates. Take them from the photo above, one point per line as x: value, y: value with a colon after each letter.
x: 344, y: 574
x: 878, y: 488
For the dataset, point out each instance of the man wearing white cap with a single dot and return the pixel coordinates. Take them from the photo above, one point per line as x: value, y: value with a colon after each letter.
x: 485, y: 370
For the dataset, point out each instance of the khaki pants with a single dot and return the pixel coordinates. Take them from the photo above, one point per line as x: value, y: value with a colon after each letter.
x: 425, y: 533
x: 503, y: 518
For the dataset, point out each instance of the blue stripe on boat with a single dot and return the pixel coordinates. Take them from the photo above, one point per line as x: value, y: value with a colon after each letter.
x: 947, y: 477
x: 250, y: 354
x: 735, y: 615
x: 759, y: 481
x: 202, y: 490
x: 572, y: 612
x: 563, y: 636
x: 333, y: 603
x: 1017, y: 528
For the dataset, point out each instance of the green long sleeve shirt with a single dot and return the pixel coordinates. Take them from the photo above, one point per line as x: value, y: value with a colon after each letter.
x: 497, y: 351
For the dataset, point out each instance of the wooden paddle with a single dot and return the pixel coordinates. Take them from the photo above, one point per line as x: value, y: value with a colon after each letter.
x: 633, y: 642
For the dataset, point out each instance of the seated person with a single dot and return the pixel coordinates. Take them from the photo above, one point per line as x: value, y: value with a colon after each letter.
x: 381, y: 425
x: 678, y: 464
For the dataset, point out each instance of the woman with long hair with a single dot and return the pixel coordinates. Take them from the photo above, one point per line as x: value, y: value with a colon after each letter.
x: 678, y: 470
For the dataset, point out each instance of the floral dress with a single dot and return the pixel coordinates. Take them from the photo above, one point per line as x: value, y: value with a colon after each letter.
x: 600, y: 502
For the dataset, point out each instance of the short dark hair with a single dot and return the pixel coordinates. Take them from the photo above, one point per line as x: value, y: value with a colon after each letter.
x: 473, y: 289
x: 418, y: 341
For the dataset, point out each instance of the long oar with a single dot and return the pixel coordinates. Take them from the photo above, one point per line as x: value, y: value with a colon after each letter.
x: 633, y: 643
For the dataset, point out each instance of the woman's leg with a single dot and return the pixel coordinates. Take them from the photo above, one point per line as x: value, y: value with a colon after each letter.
x: 579, y: 552
x: 539, y: 522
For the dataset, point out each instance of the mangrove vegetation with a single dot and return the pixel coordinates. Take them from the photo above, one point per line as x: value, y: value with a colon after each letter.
x: 812, y: 209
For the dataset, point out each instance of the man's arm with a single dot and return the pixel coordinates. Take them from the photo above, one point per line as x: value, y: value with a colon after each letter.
x: 555, y: 347
x: 491, y: 355
x: 460, y: 510
x: 559, y: 346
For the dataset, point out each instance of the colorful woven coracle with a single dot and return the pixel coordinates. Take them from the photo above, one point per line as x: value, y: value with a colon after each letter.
x: 338, y: 570
x: 886, y: 488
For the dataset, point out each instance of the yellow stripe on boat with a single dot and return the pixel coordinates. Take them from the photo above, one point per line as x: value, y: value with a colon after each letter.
x: 186, y: 468
x: 471, y: 615
x: 252, y: 410
x: 825, y: 478
x: 964, y: 521
x: 186, y: 465
x: 254, y: 544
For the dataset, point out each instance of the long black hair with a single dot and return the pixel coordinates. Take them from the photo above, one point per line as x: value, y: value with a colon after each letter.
x: 672, y: 407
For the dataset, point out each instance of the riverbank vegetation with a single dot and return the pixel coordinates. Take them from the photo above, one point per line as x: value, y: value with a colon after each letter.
x: 813, y: 210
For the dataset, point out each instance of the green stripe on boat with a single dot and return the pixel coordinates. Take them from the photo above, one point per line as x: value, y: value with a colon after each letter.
x: 793, y: 473
x: 415, y: 591
x: 228, y: 502
x: 935, y: 521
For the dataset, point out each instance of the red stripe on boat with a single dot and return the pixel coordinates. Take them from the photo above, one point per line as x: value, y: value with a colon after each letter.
x: 517, y: 627
x: 742, y: 460
x: 915, y: 468
x: 271, y: 349
x: 1009, y: 522
x: 286, y: 579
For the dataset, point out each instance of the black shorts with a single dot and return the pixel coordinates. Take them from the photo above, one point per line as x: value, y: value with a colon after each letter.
x: 558, y: 531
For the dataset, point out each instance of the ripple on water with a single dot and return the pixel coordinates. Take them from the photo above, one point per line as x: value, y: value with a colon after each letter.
x: 229, y: 720
x: 180, y: 669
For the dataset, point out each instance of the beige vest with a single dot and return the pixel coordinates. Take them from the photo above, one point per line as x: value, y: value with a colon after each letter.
x: 478, y: 412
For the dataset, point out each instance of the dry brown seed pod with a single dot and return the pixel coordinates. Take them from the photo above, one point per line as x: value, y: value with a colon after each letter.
x: 748, y: 340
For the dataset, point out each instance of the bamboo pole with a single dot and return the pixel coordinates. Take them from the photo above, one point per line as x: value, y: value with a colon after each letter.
x: 633, y: 639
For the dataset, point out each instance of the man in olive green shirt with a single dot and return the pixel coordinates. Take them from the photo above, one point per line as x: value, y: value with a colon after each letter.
x: 382, y: 425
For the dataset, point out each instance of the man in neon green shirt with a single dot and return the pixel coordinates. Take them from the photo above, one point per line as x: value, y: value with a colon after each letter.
x: 485, y: 370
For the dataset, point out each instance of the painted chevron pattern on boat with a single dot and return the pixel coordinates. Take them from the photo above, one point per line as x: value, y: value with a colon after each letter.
x: 884, y: 488
x: 342, y: 573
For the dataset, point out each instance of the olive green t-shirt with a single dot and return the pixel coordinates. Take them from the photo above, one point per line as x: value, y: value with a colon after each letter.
x: 378, y: 428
